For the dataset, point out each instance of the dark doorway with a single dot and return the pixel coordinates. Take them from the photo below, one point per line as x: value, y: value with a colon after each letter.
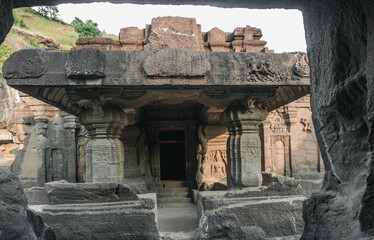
x: 172, y: 155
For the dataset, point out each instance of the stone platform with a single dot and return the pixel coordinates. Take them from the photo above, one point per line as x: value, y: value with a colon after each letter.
x: 78, y: 211
x: 223, y: 217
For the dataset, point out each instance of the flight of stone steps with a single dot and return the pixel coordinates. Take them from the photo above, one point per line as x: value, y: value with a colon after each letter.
x: 173, y: 194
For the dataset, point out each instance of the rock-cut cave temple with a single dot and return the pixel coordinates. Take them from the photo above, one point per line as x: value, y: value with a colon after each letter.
x: 103, y: 134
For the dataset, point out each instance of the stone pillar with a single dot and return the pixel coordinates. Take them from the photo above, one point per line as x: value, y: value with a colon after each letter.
x: 105, y: 151
x: 243, y: 146
x: 70, y: 149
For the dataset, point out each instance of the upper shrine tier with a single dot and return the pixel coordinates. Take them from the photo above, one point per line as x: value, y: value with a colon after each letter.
x: 179, y: 32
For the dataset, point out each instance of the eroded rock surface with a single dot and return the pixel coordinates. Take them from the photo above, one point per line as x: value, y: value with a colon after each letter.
x: 175, y: 32
x: 101, y: 221
x: 62, y: 192
x: 6, y: 20
x: 342, y: 105
x: 249, y: 217
x: 16, y: 221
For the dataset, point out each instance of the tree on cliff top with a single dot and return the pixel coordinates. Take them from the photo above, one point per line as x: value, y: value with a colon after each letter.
x: 50, y: 12
x: 86, y: 29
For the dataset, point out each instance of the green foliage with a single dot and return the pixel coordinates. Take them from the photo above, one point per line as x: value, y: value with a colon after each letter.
x: 5, y: 52
x: 33, y: 42
x: 50, y: 12
x: 63, y: 33
x: 19, y: 22
x: 15, y: 18
x: 86, y: 29
x: 22, y: 24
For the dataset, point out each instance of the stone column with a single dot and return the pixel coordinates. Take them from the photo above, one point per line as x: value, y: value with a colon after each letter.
x: 70, y: 149
x: 243, y: 146
x: 105, y: 151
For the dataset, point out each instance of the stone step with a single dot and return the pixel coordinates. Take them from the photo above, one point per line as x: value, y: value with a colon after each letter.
x: 182, y: 235
x: 172, y: 194
x: 173, y: 200
x: 172, y: 184
x: 175, y: 205
x: 173, y: 189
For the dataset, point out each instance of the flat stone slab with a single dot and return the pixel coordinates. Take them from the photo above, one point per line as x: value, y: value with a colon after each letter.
x: 166, y: 66
x: 115, y: 220
x: 270, y: 217
x: 70, y: 80
x: 63, y: 192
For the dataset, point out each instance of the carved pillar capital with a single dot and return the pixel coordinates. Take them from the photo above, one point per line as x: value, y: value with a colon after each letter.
x: 106, y: 123
x: 246, y: 120
x: 105, y: 151
x: 243, y: 146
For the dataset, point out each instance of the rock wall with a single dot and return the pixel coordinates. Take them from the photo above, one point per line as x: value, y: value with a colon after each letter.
x: 16, y: 221
x: 340, y: 46
x: 16, y: 120
x: 6, y: 20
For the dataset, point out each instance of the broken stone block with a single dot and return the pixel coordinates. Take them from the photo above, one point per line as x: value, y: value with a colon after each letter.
x: 135, y: 219
x: 175, y: 32
x: 131, y: 34
x: 62, y: 192
x: 249, y: 217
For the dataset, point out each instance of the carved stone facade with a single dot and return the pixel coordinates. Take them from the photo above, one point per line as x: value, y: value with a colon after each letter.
x: 289, y: 144
x: 213, y: 151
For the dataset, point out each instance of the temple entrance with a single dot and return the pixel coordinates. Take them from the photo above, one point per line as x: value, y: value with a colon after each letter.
x: 172, y: 155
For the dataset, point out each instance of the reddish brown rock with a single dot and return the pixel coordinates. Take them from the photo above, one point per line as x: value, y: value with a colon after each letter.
x: 130, y: 34
x: 179, y: 32
x: 175, y: 32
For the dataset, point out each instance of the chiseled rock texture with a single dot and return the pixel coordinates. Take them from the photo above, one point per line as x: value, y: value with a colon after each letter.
x: 16, y: 221
x: 62, y: 192
x: 102, y: 221
x: 175, y: 32
x: 6, y: 20
x: 225, y: 217
x: 340, y: 42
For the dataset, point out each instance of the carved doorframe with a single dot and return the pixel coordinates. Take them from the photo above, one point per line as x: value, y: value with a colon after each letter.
x: 287, y: 151
x: 190, y: 129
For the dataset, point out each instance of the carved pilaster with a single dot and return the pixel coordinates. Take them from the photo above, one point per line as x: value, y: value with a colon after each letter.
x: 105, y: 151
x: 292, y: 116
x: 130, y: 136
x: 243, y: 146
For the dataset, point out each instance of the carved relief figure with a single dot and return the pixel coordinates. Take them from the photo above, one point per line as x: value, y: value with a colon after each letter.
x: 201, y: 151
x: 307, y: 125
x: 82, y: 140
x: 214, y: 166
x: 218, y: 167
